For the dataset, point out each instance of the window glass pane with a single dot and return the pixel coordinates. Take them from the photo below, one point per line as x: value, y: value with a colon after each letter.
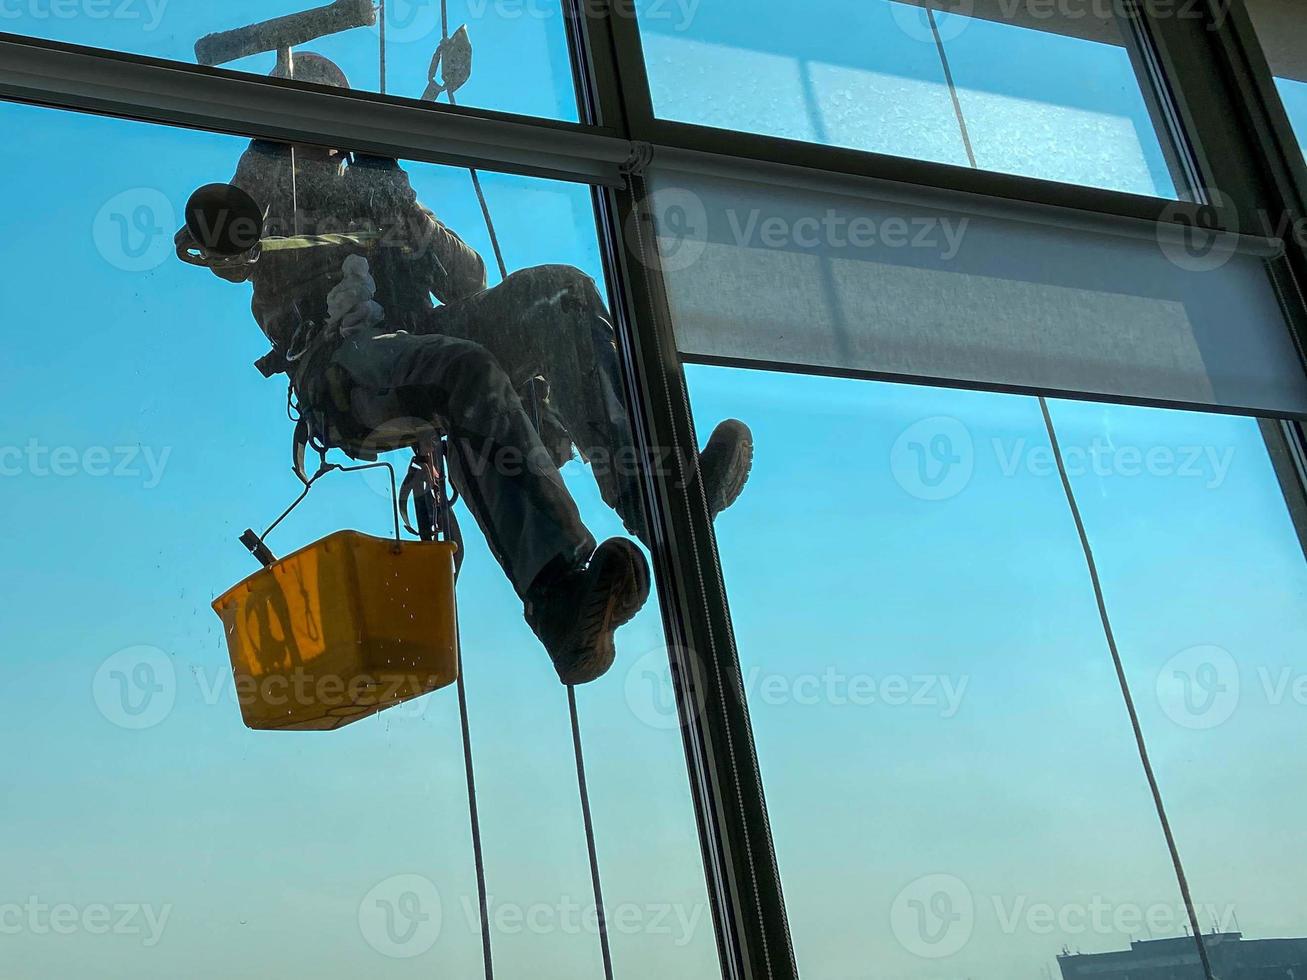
x: 519, y: 57
x: 1294, y: 96
x: 1034, y: 95
x: 139, y: 441
x: 954, y: 783
x: 1207, y: 587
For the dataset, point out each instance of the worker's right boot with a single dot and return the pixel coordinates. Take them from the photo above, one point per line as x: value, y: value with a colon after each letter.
x: 576, y: 611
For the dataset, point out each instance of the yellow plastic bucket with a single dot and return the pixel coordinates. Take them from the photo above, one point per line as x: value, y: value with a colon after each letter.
x: 340, y: 630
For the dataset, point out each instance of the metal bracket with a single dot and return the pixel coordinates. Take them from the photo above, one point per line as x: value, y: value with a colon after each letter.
x: 638, y: 162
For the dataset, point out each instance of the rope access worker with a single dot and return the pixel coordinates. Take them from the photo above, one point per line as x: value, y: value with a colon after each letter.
x: 372, y: 360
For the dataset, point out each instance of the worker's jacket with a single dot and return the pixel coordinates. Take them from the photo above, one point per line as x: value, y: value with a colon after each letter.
x: 370, y: 204
x: 337, y: 208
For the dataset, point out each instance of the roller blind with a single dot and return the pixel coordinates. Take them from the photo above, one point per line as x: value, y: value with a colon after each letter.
x: 774, y: 275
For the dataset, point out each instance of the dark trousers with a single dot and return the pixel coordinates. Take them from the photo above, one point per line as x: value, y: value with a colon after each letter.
x: 462, y: 367
x: 549, y: 322
x: 399, y: 383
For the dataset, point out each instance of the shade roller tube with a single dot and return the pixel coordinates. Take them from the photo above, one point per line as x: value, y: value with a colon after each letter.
x: 772, y: 275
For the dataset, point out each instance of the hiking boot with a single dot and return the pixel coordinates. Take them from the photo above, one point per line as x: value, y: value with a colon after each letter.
x: 576, y: 611
x: 724, y: 467
x: 725, y: 463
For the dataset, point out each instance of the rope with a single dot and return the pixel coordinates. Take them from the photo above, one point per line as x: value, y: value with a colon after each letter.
x: 952, y: 88
x: 474, y: 816
x: 1125, y: 690
x: 437, y: 464
x: 586, y: 813
x: 476, y: 177
x: 381, y: 12
x: 587, y: 816
x: 590, y: 834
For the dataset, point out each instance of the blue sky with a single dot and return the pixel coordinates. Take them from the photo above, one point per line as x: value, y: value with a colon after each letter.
x: 1015, y: 774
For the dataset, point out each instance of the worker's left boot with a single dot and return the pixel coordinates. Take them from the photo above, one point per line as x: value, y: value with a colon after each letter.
x: 725, y: 464
x: 724, y: 467
x: 576, y: 611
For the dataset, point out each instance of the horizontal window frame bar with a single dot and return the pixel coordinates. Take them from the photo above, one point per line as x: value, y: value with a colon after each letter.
x: 64, y: 76
x: 924, y: 381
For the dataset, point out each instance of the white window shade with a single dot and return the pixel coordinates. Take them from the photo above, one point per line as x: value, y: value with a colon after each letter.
x: 775, y: 275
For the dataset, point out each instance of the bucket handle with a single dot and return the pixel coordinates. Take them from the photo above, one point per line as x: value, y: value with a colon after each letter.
x: 257, y: 543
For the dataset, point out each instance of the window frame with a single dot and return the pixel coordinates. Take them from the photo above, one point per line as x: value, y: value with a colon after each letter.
x: 1210, y: 84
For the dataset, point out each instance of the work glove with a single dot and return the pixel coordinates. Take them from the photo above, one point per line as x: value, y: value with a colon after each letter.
x: 351, y: 309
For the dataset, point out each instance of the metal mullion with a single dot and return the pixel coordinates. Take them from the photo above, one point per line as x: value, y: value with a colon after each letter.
x: 1198, y: 74
x: 735, y: 834
x: 1225, y: 98
x: 1274, y: 133
x: 599, y: 86
x: 632, y: 75
x: 1270, y: 138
